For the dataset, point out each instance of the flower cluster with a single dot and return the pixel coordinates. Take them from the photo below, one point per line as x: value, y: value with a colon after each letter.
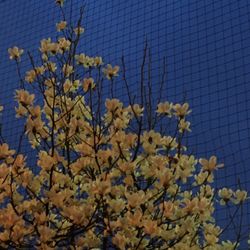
x: 102, y: 179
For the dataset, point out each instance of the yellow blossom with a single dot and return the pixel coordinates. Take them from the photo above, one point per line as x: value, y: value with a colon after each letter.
x: 15, y: 53
x: 40, y: 70
x: 80, y: 59
x: 110, y: 71
x: 168, y: 208
x: 98, y: 61
x: 228, y: 245
x: 20, y: 111
x: 134, y: 219
x: 164, y: 108
x: 8, y: 217
x: 49, y: 47
x: 35, y: 111
x: 101, y: 187
x: 137, y: 110
x: 67, y: 70
x: 46, y: 233
x: 225, y: 195
x: 169, y: 142
x: 46, y: 161
x: 120, y: 241
x: 113, y: 104
x: 128, y: 180
x: 184, y: 126
x: 150, y: 227
x: 151, y: 137
x: 30, y: 76
x: 5, y: 151
x: 24, y: 97
x: 181, y: 110
x: 41, y: 218
x: 202, y: 177
x: 85, y: 60
x: 165, y: 177
x: 45, y: 45
x: 61, y: 25
x: 67, y: 85
x: 191, y: 205
x: 79, y: 30
x: 135, y: 199
x: 117, y: 205
x: 64, y: 44
x: 206, y: 191
x: 240, y: 196
x: 211, y: 239
x: 4, y: 236
x: 51, y: 67
x: 211, y: 164
x: 88, y: 83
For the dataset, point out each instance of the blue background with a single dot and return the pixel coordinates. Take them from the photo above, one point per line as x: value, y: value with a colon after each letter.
x: 207, y: 47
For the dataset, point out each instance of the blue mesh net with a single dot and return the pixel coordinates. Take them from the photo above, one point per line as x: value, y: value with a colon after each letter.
x: 207, y: 49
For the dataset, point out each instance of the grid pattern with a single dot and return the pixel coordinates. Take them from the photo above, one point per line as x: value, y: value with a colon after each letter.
x: 207, y: 46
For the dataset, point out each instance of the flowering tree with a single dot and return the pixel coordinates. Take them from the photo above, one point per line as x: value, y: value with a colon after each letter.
x: 109, y: 177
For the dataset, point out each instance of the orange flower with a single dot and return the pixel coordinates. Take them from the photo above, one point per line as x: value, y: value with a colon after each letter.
x: 46, y: 161
x: 98, y: 61
x: 129, y: 181
x: 117, y: 205
x: 135, y: 199
x: 134, y: 219
x: 41, y: 218
x: 119, y: 240
x: 67, y: 70
x: 35, y: 111
x: 15, y: 53
x: 137, y: 110
x: 113, y: 104
x: 79, y: 30
x: 30, y: 76
x: 181, y: 110
x: 34, y: 127
x: 46, y: 233
x: 168, y: 208
x: 88, y: 83
x: 165, y: 177
x: 76, y: 213
x: 211, y: 164
x: 80, y: 59
x: 164, y: 108
x: 8, y: 217
x: 61, y: 25
x: 184, y: 126
x: 4, y: 170
x: 240, y: 196
x: 24, y: 97
x: 64, y: 44
x: 191, y: 205
x: 5, y: 152
x: 150, y: 227
x: 110, y: 71
x: 101, y: 187
x: 49, y: 47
